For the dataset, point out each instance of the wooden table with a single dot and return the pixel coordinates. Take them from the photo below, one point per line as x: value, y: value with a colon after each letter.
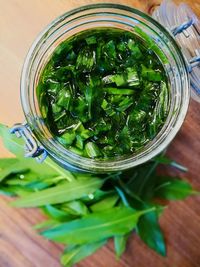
x: 20, y: 245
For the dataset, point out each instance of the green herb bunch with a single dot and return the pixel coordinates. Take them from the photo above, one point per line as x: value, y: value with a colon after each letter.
x: 84, y: 210
x: 104, y: 93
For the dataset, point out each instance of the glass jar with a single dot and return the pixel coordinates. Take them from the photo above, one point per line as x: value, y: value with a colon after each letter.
x: 88, y: 17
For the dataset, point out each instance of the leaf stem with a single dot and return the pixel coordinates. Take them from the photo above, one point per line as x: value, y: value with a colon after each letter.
x: 122, y: 196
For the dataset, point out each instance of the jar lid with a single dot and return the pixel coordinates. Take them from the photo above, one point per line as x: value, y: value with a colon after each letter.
x: 185, y: 27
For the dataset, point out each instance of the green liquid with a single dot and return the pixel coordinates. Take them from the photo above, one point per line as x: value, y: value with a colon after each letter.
x: 103, y: 93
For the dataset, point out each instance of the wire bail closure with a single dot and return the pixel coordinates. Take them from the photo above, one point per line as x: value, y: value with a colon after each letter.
x: 182, y: 28
x: 184, y: 25
x: 195, y: 61
x: 32, y: 149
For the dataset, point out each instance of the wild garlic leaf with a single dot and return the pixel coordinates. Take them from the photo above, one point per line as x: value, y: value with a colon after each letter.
x: 6, y: 167
x: 98, y: 195
x: 173, y: 189
x: 106, y: 203
x: 60, y: 193
x: 163, y: 159
x: 57, y: 214
x: 14, y: 190
x: 74, y: 254
x: 81, y: 213
x: 11, y: 142
x: 16, y: 146
x: 28, y: 164
x: 16, y: 181
x: 46, y: 224
x: 139, y: 182
x: 29, y: 181
x: 149, y: 230
x: 6, y: 162
x: 30, y: 170
x: 8, y: 191
x: 120, y: 244
x: 75, y: 208
x: 61, y: 172
x: 96, y: 226
x: 123, y: 196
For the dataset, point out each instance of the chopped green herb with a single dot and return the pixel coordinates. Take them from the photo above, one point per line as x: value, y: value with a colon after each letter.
x: 92, y: 150
x: 104, y: 94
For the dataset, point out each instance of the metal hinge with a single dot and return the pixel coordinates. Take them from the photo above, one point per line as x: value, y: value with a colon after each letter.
x: 182, y: 28
x: 32, y: 149
x: 195, y: 61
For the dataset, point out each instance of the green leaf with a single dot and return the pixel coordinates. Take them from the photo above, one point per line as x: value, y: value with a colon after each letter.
x: 122, y: 196
x: 162, y: 159
x: 117, y: 91
x: 11, y: 142
x: 79, y: 142
x: 75, y: 208
x: 91, y: 40
x: 75, y: 254
x: 56, y: 213
x: 151, y: 75
x: 97, y: 196
x: 120, y: 244
x: 6, y: 167
x: 76, y: 150
x: 92, y: 150
x: 38, y: 185
x: 39, y: 170
x: 118, y: 79
x: 136, y: 53
x: 64, y: 98
x: 148, y: 229
x: 54, y: 167
x: 141, y: 181
x: 14, y: 190
x: 96, y: 226
x: 173, y: 189
x: 8, y: 191
x: 125, y: 104
x: 60, y: 193
x: 109, y: 50
x: 104, y: 204
x: 85, y: 60
x: 46, y: 224
x: 16, y: 146
x: 67, y: 138
x: 6, y: 162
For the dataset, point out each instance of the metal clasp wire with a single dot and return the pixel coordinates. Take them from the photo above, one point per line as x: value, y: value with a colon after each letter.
x: 195, y: 61
x: 183, y: 27
x: 32, y: 149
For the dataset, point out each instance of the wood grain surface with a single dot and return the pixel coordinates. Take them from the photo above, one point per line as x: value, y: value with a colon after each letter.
x: 20, y: 245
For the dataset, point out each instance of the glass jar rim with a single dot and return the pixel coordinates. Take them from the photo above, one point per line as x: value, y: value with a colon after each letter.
x: 60, y: 154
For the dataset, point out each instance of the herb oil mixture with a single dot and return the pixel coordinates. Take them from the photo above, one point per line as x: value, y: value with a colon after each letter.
x: 103, y: 93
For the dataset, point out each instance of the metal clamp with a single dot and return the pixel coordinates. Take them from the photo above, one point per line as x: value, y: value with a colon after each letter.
x: 32, y: 149
x: 195, y: 61
x: 183, y: 27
